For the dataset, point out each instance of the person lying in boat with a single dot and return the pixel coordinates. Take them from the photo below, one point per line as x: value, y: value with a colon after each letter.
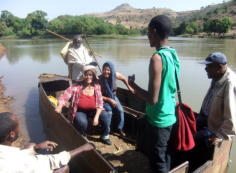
x: 217, y: 118
x: 27, y: 160
x: 86, y: 103
x: 107, y: 80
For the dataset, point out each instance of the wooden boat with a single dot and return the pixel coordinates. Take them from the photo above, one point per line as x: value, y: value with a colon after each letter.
x: 60, y: 130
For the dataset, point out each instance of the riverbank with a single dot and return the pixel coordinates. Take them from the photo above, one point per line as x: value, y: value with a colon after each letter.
x: 112, y: 36
x: 5, y: 101
x: 229, y: 35
x: 2, y: 50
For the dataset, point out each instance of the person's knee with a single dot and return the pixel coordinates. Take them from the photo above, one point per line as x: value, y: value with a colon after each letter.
x: 64, y: 169
x: 81, y: 120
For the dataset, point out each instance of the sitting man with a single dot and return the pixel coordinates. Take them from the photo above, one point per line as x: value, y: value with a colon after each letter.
x: 13, y: 159
x: 218, y: 112
x: 217, y: 118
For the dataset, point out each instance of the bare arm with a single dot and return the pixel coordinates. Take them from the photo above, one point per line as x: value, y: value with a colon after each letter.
x: 85, y: 147
x: 119, y: 76
x: 110, y: 100
x: 96, y: 117
x: 155, y: 71
x: 63, y: 99
x: 46, y: 145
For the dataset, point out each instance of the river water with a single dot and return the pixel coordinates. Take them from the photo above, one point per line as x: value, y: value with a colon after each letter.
x: 25, y: 60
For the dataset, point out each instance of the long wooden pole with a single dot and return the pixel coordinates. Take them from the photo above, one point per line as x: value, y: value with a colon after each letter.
x: 92, y: 52
x: 67, y: 39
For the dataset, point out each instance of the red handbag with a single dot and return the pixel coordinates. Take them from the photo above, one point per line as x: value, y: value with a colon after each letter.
x: 185, y: 127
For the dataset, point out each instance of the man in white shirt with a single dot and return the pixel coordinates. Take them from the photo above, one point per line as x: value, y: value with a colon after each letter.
x: 76, y: 56
x: 15, y: 160
x: 217, y: 118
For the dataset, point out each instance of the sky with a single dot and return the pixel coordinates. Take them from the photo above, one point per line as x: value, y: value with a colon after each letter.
x: 54, y: 8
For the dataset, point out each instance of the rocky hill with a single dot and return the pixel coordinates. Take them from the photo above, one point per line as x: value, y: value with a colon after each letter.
x: 132, y: 17
x: 139, y: 18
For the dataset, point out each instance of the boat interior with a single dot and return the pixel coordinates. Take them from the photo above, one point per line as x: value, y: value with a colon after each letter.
x: 134, y: 110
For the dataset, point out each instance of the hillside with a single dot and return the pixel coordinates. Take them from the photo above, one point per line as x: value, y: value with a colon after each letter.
x: 139, y: 18
x: 132, y: 17
x: 226, y: 9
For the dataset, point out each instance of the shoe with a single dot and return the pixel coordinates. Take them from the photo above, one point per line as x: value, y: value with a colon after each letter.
x: 106, y: 141
x: 120, y: 133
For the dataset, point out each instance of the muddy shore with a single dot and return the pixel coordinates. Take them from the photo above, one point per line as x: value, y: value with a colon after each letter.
x: 5, y: 101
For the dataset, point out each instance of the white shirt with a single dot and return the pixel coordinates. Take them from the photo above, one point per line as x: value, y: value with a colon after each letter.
x: 14, y: 160
x: 79, y: 58
x: 222, y: 114
x: 79, y: 55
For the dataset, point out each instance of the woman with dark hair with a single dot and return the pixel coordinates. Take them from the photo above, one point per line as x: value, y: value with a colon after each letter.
x: 86, y: 102
x: 111, y: 103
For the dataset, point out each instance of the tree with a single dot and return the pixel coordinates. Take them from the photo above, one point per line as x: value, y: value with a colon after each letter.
x: 224, y: 25
x: 214, y: 25
x: 37, y: 22
x: 120, y: 29
x: 192, y: 28
x: 218, y: 25
x: 7, y: 17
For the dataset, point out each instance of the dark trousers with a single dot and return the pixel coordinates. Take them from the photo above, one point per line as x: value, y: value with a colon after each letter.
x: 159, y: 155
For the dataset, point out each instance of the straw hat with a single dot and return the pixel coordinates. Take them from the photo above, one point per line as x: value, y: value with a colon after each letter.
x: 91, y: 68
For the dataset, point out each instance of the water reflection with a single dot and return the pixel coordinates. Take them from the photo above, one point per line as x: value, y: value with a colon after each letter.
x: 124, y: 51
x: 37, y: 50
x: 130, y: 56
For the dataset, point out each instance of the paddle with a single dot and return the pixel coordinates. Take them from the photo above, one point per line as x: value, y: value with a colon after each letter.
x: 85, y: 38
x: 92, y: 51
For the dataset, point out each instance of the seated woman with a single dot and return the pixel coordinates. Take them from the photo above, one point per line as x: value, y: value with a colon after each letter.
x: 87, y: 102
x: 111, y: 103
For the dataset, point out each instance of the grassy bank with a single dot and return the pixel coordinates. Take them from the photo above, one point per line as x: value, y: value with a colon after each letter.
x: 229, y: 35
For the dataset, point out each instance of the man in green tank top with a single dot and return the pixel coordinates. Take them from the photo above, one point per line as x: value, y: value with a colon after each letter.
x: 160, y: 96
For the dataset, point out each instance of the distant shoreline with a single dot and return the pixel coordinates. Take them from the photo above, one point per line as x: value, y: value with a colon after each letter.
x: 231, y: 35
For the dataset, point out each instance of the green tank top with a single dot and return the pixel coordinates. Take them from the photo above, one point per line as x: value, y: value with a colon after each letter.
x: 162, y: 114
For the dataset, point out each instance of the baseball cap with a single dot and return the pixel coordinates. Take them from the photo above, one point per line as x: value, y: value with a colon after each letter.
x: 217, y: 57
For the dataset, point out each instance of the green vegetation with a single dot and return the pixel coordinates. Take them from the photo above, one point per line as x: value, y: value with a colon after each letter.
x: 211, y: 19
x: 35, y: 23
x: 217, y: 25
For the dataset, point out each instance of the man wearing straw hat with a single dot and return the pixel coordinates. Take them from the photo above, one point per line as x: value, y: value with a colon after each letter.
x: 76, y: 56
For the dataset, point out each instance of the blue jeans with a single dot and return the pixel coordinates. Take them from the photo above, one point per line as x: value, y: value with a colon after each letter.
x: 119, y: 113
x: 81, y: 121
